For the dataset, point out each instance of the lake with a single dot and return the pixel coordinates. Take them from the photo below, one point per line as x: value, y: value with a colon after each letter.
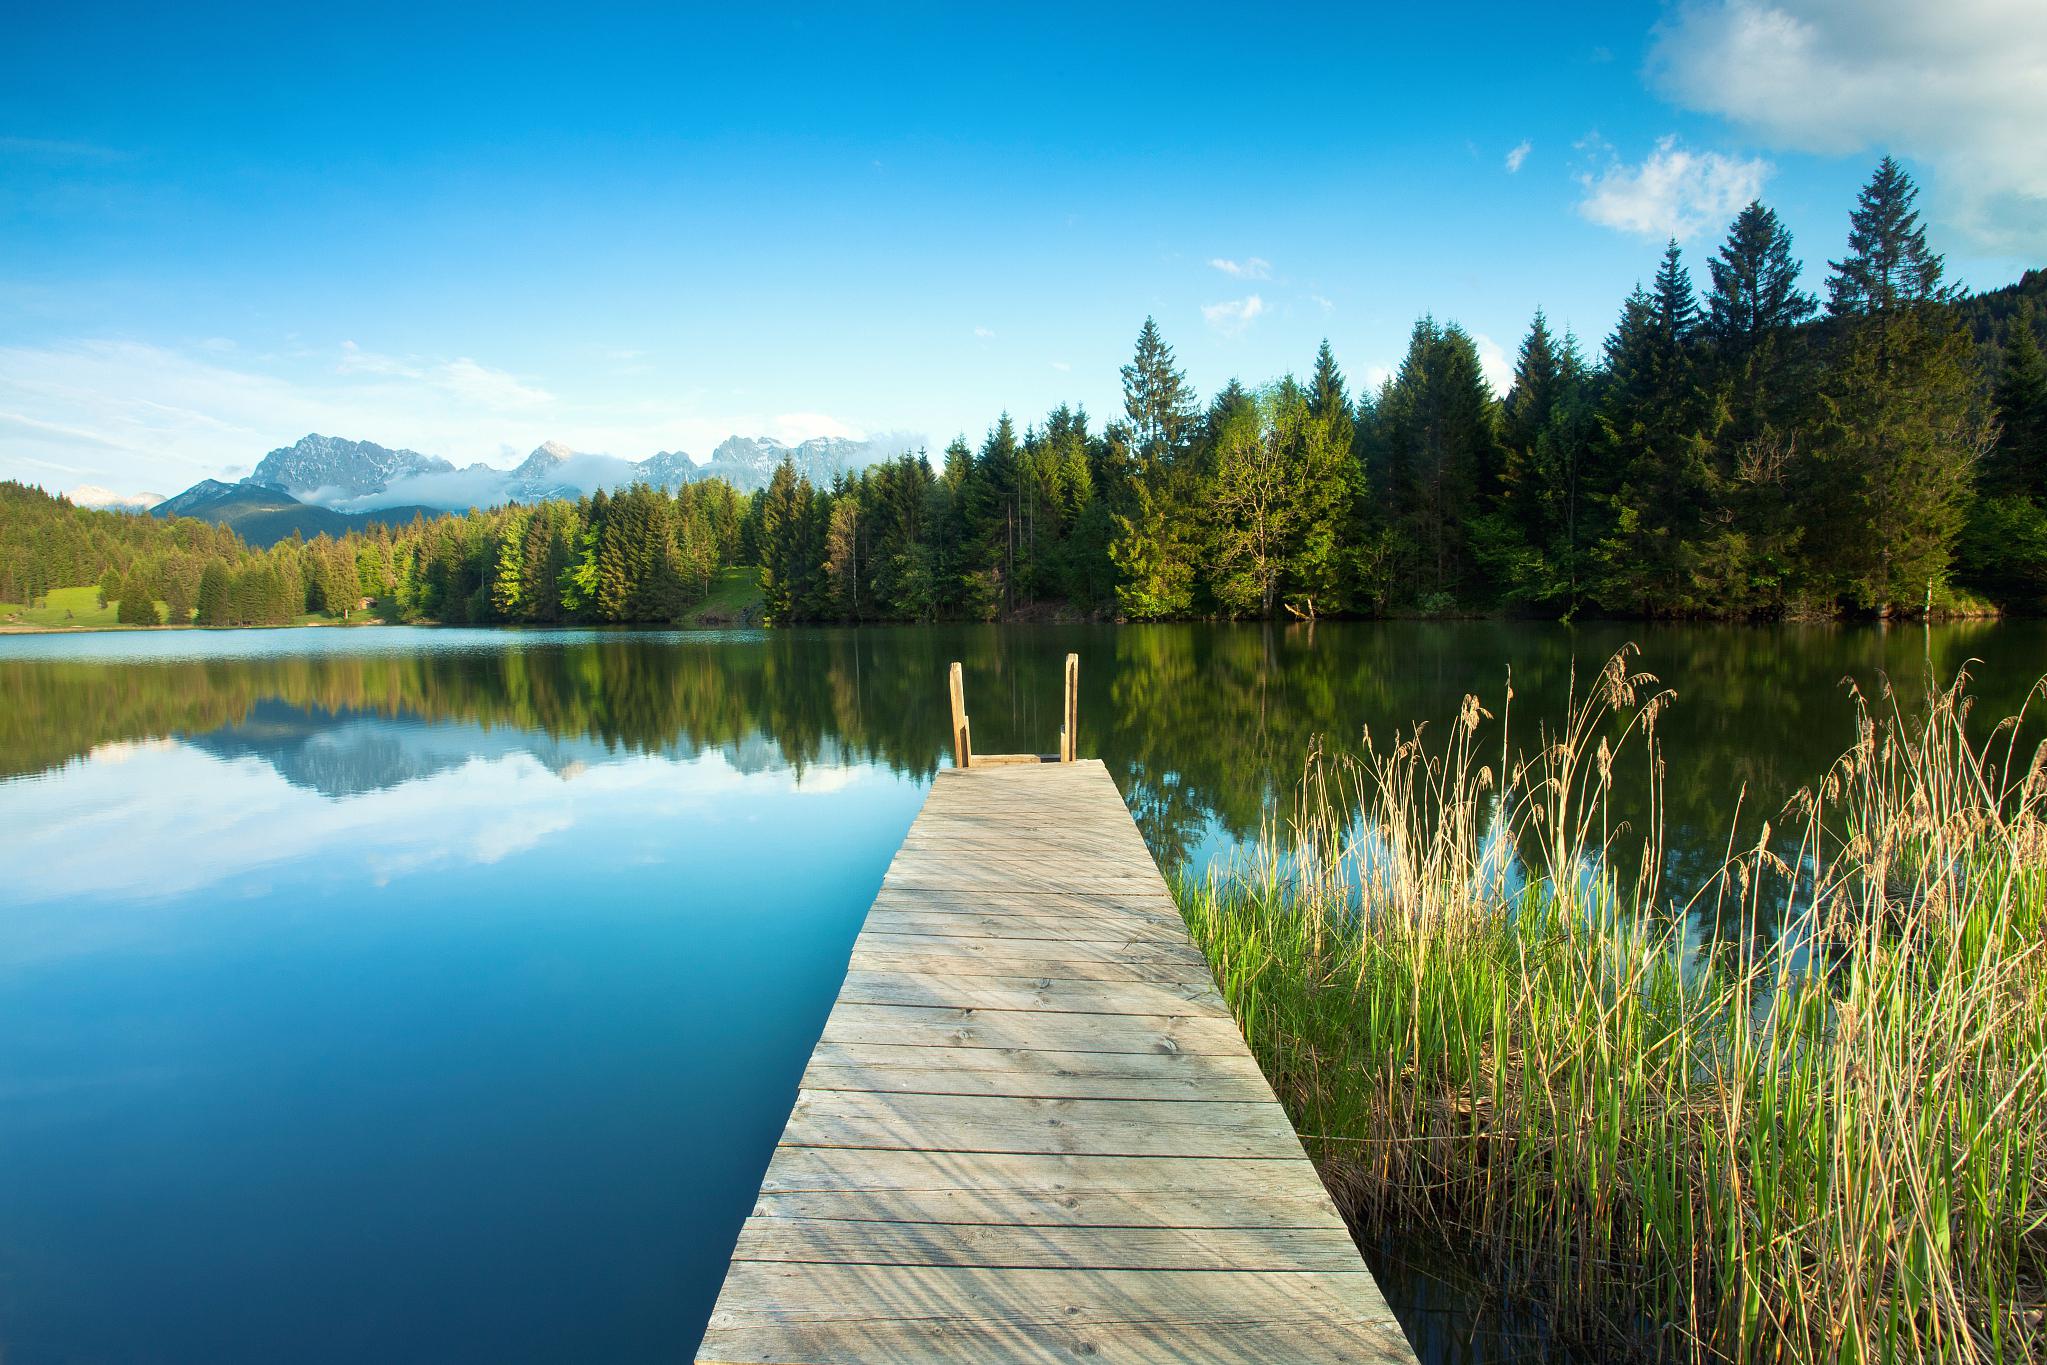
x: 439, y: 995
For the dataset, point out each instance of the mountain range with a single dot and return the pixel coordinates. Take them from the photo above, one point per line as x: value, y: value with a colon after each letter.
x: 327, y: 483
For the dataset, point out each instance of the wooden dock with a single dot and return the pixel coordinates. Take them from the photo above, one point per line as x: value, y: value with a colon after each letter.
x: 1031, y: 1130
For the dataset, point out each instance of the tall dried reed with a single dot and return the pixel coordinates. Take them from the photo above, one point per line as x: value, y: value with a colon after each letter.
x: 1825, y: 1142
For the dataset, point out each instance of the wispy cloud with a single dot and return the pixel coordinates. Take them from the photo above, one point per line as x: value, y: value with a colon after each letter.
x: 985, y: 333
x: 1672, y: 192
x: 1063, y: 366
x: 792, y: 427
x: 461, y: 377
x: 129, y: 415
x: 1232, y: 316
x: 1518, y: 154
x: 1251, y: 268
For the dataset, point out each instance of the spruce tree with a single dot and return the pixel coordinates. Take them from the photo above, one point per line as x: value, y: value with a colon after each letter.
x: 1156, y: 398
x: 1533, y: 397
x: 1534, y: 547
x: 1653, y: 437
x: 2003, y: 550
x: 215, y: 590
x: 1888, y: 262
x: 1901, y: 428
x: 136, y: 606
x: 1901, y: 431
x: 1758, y: 374
x: 1755, y: 293
x: 2018, y: 463
x: 1435, y: 453
x: 1321, y: 563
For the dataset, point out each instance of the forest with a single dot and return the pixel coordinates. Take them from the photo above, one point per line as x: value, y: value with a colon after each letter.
x: 1737, y: 450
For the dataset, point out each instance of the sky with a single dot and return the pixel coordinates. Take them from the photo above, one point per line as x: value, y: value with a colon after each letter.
x: 638, y: 229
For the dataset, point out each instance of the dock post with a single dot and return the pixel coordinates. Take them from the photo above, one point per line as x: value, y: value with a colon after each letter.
x: 1069, y: 724
x: 962, y: 742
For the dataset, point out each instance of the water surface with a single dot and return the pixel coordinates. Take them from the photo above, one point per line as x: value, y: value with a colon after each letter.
x: 439, y: 995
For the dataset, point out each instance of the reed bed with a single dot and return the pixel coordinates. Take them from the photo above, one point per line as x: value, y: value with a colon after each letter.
x: 1487, y: 1018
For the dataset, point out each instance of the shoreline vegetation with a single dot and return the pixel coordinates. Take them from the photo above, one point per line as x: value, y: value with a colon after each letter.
x: 1733, y: 452
x: 1484, y: 1015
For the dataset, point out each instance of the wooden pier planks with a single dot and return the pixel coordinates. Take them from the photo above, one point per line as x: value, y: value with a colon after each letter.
x: 1031, y: 1130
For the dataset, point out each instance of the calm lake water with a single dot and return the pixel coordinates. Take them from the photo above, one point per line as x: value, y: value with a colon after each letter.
x: 395, y: 994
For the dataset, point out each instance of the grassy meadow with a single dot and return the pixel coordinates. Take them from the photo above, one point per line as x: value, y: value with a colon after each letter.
x: 1481, y: 1008
x: 61, y: 607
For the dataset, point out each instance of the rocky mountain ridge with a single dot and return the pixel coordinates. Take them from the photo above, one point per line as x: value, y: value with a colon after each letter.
x: 361, y: 476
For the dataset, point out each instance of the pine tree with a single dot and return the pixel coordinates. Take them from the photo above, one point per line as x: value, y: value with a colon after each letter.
x: 137, y: 607
x: 2018, y: 464
x: 1435, y: 448
x: 1655, y: 438
x: 1535, y: 549
x: 1757, y: 371
x: 1322, y: 560
x: 1154, y: 559
x: 1328, y: 400
x: 1755, y: 294
x: 1899, y: 438
x: 779, y: 512
x: 993, y: 503
x: 2003, y: 550
x: 1533, y: 398
x: 215, y: 608
x: 1888, y: 262
x: 1156, y: 399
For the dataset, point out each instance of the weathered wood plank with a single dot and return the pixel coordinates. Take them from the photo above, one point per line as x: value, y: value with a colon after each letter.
x: 943, y: 1028
x: 978, y: 957
x: 1051, y: 1247
x: 1156, y: 951
x: 1035, y: 1073
x: 864, y: 986
x: 1044, y: 928
x: 1031, y: 1130
x: 1028, y: 1190
x: 830, y: 1313
x: 1004, y: 1123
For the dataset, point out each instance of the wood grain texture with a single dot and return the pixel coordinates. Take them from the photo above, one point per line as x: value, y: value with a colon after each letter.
x: 1031, y: 1130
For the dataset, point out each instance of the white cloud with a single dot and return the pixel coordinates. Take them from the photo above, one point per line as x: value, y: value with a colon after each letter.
x: 1326, y: 305
x: 1494, y: 364
x: 1251, y: 268
x: 461, y: 378
x: 1232, y: 316
x: 1674, y: 192
x: 1062, y: 365
x: 1518, y: 154
x: 985, y: 333
x: 793, y: 427
x: 92, y: 495
x: 1960, y: 86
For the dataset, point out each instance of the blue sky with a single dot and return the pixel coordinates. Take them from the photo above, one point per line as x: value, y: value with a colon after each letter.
x: 641, y: 229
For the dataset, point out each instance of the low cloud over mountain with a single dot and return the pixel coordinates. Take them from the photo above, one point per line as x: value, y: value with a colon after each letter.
x: 359, y: 477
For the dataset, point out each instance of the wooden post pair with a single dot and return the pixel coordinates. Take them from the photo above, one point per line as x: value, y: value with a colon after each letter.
x: 1069, y: 718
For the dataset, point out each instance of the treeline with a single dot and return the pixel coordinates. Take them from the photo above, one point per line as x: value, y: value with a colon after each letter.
x: 1742, y: 454
x: 641, y: 555
x: 1733, y: 452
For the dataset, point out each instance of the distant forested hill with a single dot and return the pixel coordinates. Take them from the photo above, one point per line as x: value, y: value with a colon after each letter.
x: 263, y: 516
